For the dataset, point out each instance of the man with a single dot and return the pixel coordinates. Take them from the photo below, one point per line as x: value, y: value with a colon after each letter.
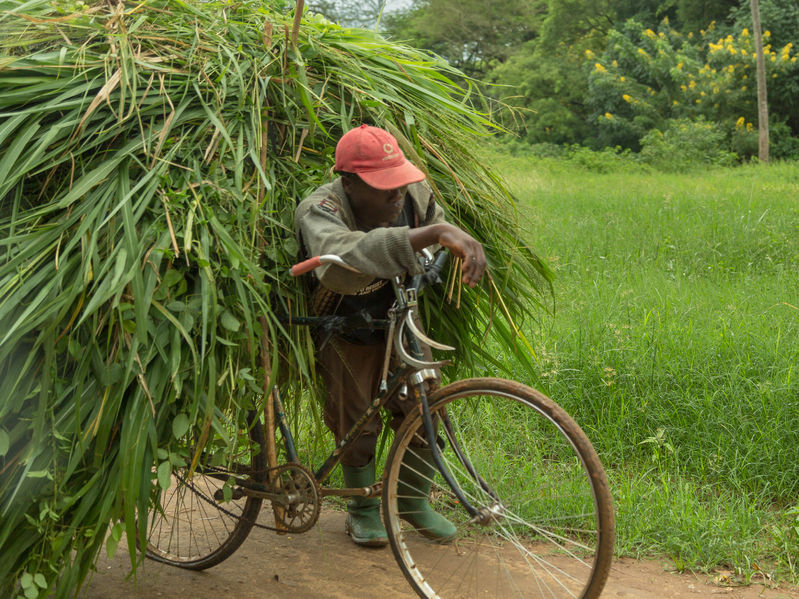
x: 376, y: 216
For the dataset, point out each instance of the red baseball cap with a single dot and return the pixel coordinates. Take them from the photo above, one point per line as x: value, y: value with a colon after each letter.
x: 375, y: 156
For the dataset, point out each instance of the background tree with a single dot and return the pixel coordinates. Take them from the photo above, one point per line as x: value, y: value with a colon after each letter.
x: 695, y: 15
x: 539, y: 57
x: 364, y: 13
x: 470, y: 34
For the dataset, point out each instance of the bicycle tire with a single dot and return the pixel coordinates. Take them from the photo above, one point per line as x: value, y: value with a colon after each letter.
x: 194, y: 525
x: 551, y: 531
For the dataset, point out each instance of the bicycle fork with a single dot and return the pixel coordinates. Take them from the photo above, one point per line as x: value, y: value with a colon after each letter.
x: 481, y: 516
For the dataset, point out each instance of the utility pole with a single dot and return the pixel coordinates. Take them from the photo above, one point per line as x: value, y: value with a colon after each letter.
x: 762, y: 101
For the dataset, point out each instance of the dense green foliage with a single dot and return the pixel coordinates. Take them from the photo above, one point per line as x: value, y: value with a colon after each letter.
x: 674, y: 345
x: 151, y: 156
x: 609, y: 73
x: 470, y: 34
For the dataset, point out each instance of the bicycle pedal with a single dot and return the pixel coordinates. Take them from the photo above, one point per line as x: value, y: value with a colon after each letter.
x: 219, y: 494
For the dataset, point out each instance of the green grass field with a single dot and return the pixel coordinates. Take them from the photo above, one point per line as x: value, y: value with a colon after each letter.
x: 674, y: 343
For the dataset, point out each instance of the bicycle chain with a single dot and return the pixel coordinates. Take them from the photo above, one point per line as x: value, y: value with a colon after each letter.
x: 225, y: 511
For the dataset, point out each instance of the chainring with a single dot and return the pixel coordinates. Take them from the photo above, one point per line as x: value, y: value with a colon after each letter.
x: 302, y: 499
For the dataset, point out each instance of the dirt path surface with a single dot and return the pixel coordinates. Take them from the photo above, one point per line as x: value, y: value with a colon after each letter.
x: 324, y: 563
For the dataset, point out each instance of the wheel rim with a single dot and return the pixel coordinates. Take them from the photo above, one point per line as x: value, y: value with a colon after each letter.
x: 541, y: 537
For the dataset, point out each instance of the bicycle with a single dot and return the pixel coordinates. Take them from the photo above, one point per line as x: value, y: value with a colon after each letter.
x: 511, y: 469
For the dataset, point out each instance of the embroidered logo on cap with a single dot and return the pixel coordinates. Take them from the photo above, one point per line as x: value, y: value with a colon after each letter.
x: 389, y: 150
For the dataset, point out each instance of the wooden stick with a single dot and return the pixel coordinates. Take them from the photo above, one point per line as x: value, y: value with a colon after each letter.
x: 269, y: 419
x: 295, y: 31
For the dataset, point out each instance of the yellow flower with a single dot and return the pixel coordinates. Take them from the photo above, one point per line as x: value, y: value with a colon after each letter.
x: 627, y: 98
x: 745, y: 32
x: 692, y: 84
x: 622, y: 78
x: 649, y: 33
x: 589, y: 55
x: 773, y: 58
x: 690, y: 35
x: 698, y: 101
x: 701, y: 93
x: 793, y: 59
x: 642, y: 52
x: 749, y: 127
x: 665, y: 20
x: 739, y: 124
x: 614, y: 63
x: 743, y: 89
x: 675, y: 102
x: 680, y: 65
x: 731, y: 69
x: 684, y: 88
x: 600, y: 68
x: 608, y: 115
x: 743, y: 52
x: 766, y: 33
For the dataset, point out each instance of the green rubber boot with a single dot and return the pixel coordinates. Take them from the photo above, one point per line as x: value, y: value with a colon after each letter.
x: 415, y: 481
x: 363, y: 513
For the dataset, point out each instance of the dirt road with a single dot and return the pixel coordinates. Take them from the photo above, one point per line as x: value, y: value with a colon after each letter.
x: 324, y: 563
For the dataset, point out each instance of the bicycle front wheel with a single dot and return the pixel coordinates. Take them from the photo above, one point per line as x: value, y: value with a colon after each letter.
x: 203, y: 517
x: 545, y: 523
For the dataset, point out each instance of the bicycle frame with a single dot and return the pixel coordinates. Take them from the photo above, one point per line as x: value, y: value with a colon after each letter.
x: 414, y: 370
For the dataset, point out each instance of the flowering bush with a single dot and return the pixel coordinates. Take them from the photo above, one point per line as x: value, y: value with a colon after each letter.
x: 645, y: 79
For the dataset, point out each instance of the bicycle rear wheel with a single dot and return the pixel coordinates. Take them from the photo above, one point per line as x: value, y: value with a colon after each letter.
x: 547, y: 527
x: 203, y: 517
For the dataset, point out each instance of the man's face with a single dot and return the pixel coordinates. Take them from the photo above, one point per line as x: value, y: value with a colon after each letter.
x: 373, y: 207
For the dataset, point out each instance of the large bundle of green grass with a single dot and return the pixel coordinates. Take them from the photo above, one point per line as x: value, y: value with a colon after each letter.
x: 151, y: 155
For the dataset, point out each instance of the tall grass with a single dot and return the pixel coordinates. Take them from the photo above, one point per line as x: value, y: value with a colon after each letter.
x: 151, y: 157
x: 675, y: 344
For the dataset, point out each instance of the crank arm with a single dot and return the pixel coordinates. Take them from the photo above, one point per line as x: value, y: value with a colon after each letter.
x: 421, y: 336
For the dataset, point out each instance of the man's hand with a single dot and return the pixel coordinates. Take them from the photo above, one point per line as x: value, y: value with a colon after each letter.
x: 459, y: 242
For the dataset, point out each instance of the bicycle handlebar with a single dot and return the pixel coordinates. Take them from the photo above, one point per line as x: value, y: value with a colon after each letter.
x: 431, y: 275
x: 311, y: 263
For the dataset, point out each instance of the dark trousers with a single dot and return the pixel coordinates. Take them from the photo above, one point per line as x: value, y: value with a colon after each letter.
x: 352, y: 374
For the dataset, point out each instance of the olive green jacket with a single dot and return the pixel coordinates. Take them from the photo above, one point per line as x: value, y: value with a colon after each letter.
x: 325, y: 224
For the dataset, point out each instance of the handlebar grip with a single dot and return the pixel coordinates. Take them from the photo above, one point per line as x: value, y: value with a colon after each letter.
x: 305, y: 266
x: 433, y: 273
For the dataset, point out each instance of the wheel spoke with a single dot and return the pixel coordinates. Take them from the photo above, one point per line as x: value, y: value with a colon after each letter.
x: 192, y: 528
